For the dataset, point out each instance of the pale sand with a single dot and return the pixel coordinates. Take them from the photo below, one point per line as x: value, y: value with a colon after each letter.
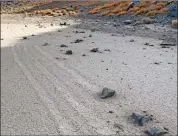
x: 44, y: 95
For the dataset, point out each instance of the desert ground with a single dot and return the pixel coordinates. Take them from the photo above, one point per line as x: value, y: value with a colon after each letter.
x: 46, y: 91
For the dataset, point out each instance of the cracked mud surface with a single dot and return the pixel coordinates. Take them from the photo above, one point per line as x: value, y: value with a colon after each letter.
x: 44, y: 95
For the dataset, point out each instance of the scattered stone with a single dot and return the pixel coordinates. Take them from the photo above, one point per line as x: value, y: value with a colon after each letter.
x: 106, y: 93
x: 155, y: 132
x: 2, y: 39
x: 69, y: 52
x: 63, y: 24
x: 92, y: 42
x: 25, y: 25
x: 84, y: 37
x: 33, y: 35
x: 168, y: 42
x: 24, y: 37
x: 59, y: 30
x: 113, y: 35
x: 79, y: 32
x: 144, y: 48
x: 157, y: 63
x: 57, y: 58
x: 90, y: 35
x: 175, y: 23
x: 111, y: 112
x: 107, y: 69
x: 108, y: 121
x: 93, y: 30
x: 132, y: 40
x: 83, y: 55
x: 147, y: 20
x: 118, y: 126
x: 107, y: 50
x: 127, y: 22
x: 45, y: 44
x: 151, y: 45
x: 139, y: 119
x: 78, y: 41
x: 52, y: 24
x: 166, y: 129
x: 63, y: 45
x: 102, y: 61
x: 169, y: 63
x: 94, y: 50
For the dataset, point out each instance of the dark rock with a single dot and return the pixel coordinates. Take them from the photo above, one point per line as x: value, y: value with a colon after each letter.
x: 157, y: 63
x: 107, y: 69
x: 132, y: 40
x: 59, y: 30
x: 147, y: 20
x: 169, y: 42
x: 25, y: 25
x: 155, y: 132
x: 94, y: 50
x: 127, y: 22
x: 24, y: 37
x: 106, y: 93
x: 45, y: 44
x: 69, y: 52
x: 63, y: 24
x: 139, y: 119
x: 33, y: 35
x: 151, y: 45
x: 78, y: 41
x: 111, y: 112
x: 107, y: 50
x: 93, y: 30
x: 83, y: 55
x: 57, y: 58
x: 166, y: 129
x: 90, y: 35
x: 2, y: 39
x: 63, y: 45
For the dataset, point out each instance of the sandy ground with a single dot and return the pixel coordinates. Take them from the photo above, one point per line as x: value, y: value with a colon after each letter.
x: 44, y: 91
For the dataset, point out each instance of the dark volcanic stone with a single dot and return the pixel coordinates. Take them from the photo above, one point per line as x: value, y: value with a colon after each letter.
x: 155, y: 132
x: 63, y: 45
x: 106, y: 93
x: 69, y: 52
x: 78, y: 41
x: 139, y: 119
x: 94, y: 50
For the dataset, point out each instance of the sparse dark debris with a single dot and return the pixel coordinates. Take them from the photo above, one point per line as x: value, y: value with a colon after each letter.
x: 92, y: 42
x: 151, y: 45
x: 45, y: 44
x: 106, y: 93
x: 83, y: 55
x: 78, y: 41
x: 124, y: 63
x: 93, y: 30
x: 102, y: 61
x: 63, y: 24
x: 24, y: 37
x: 155, y: 132
x: 119, y: 127
x: 90, y: 35
x: 111, y: 112
x: 127, y: 22
x: 157, y: 63
x: 33, y: 35
x: 132, y: 40
x: 139, y: 119
x: 59, y: 30
x: 57, y: 58
x: 147, y: 44
x: 107, y: 69
x: 169, y: 63
x: 84, y: 37
x: 69, y: 52
x: 25, y: 25
x: 113, y: 35
x: 107, y: 50
x: 94, y: 50
x: 166, y: 129
x: 63, y: 45
x: 108, y: 121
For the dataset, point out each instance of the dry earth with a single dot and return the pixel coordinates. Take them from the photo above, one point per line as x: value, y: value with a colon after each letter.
x: 44, y: 91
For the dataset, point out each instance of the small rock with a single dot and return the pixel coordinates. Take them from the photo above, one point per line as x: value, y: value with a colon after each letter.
x: 45, y: 44
x: 78, y: 41
x: 113, y: 35
x: 168, y: 42
x: 166, y: 129
x: 127, y: 22
x: 2, y: 39
x: 139, y: 119
x: 108, y: 121
x: 25, y: 25
x: 83, y: 55
x: 106, y: 93
x: 132, y: 40
x: 59, y: 30
x: 84, y: 37
x: 93, y: 30
x: 57, y: 58
x: 63, y: 45
x: 69, y: 52
x: 151, y: 45
x: 94, y: 50
x: 90, y: 35
x: 24, y: 37
x: 63, y: 24
x: 33, y: 35
x: 107, y: 69
x: 175, y: 23
x: 147, y: 20
x: 111, y: 112
x: 107, y: 50
x: 157, y: 63
x: 155, y: 132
